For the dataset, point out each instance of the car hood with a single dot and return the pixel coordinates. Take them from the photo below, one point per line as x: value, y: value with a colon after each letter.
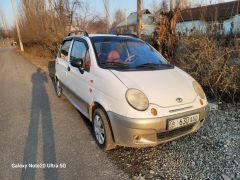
x: 162, y: 87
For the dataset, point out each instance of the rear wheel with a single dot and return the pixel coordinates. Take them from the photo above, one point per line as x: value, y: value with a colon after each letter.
x: 102, y: 131
x: 58, y: 88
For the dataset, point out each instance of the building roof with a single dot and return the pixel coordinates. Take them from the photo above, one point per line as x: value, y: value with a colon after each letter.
x: 147, y: 18
x: 214, y: 12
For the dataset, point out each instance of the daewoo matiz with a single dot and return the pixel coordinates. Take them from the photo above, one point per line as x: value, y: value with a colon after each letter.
x: 129, y: 92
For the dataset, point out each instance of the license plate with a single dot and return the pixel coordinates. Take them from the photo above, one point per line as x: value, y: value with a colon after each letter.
x: 183, y: 121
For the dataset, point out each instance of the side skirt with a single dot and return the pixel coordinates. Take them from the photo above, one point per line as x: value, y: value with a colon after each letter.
x: 76, y: 101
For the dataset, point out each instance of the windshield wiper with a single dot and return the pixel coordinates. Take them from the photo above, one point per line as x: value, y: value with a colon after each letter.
x: 147, y: 65
x: 153, y: 65
x: 115, y: 64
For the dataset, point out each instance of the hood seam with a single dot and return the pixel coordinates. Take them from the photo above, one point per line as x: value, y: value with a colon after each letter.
x: 118, y: 78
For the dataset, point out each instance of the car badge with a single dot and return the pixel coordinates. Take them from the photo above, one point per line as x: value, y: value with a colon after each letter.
x: 179, y: 100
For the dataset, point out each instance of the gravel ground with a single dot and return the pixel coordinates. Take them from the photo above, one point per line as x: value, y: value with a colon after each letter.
x: 211, y: 153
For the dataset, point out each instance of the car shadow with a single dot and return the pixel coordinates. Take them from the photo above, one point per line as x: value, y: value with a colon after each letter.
x: 87, y: 123
x: 40, y: 119
x: 51, y: 72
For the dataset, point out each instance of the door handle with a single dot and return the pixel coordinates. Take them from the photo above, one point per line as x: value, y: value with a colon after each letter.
x: 68, y: 68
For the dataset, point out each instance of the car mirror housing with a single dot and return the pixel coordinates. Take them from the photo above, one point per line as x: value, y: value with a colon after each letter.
x: 78, y: 63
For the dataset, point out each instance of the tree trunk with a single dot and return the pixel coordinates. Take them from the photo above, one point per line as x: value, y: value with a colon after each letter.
x: 139, y: 17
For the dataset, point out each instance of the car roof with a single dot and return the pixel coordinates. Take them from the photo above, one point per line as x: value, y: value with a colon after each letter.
x: 101, y: 35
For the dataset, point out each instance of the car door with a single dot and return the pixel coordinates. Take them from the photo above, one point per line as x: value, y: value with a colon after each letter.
x: 81, y: 82
x: 62, y: 62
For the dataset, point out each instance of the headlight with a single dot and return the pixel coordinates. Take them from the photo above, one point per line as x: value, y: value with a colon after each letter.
x: 198, y: 89
x: 137, y: 99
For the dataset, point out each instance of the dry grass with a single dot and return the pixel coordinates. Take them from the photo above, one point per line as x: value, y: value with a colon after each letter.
x: 165, y: 37
x: 211, y: 61
x: 45, y: 63
x: 43, y: 25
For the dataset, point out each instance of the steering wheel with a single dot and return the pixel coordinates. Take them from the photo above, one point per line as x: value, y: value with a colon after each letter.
x: 130, y: 58
x: 102, y: 54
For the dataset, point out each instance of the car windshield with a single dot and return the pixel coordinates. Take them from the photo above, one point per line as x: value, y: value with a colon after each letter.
x: 127, y: 53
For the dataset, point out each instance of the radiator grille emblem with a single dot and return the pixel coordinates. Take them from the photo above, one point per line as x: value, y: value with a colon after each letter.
x: 179, y: 100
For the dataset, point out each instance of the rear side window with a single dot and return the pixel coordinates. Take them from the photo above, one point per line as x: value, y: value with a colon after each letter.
x: 65, y: 50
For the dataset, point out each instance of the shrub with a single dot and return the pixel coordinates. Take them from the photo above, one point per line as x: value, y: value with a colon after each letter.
x: 210, y: 60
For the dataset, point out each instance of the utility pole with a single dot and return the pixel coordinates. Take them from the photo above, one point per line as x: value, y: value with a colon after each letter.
x: 171, y: 4
x: 139, y: 17
x: 16, y: 21
x: 126, y: 20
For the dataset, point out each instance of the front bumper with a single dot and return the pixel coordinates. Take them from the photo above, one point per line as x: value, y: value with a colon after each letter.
x: 150, y: 132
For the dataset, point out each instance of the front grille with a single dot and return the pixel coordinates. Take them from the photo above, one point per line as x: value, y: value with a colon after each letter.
x: 181, y: 109
x: 175, y: 132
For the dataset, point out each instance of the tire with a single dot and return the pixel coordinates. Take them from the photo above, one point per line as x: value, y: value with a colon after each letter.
x: 58, y: 87
x: 102, y: 131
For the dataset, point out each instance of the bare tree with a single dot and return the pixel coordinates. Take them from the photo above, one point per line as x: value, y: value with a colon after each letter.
x: 106, y: 7
x: 164, y: 6
x: 155, y: 6
x: 3, y: 22
x: 97, y: 26
x: 165, y: 37
x: 50, y: 5
x: 182, y: 4
x: 74, y: 6
x: 3, y: 26
x: 40, y: 30
x: 44, y: 23
x: 119, y: 16
x: 84, y: 16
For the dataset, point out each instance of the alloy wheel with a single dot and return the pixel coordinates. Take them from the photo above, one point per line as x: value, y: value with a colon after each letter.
x: 99, y: 129
x: 58, y: 88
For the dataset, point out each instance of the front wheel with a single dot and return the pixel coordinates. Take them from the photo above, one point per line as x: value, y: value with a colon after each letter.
x: 102, y: 131
x: 58, y: 88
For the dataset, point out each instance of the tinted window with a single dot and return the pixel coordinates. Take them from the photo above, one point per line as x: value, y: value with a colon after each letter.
x: 80, y: 51
x: 65, y: 49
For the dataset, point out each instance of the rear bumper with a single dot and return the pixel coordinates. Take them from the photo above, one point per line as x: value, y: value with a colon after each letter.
x: 150, y: 132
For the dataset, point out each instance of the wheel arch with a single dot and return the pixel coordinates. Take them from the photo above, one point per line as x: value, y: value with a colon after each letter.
x: 96, y: 105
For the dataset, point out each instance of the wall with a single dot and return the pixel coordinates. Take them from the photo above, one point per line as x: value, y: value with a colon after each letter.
x: 148, y: 29
x: 237, y: 23
x: 186, y: 27
x: 202, y: 26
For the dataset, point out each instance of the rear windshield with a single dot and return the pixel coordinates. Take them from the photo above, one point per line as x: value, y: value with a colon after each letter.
x: 127, y: 53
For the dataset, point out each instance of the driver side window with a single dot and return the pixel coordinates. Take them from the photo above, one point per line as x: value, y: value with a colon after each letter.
x: 80, y: 51
x: 64, y: 50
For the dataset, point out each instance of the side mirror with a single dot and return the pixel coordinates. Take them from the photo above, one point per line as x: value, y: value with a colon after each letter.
x: 78, y: 63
